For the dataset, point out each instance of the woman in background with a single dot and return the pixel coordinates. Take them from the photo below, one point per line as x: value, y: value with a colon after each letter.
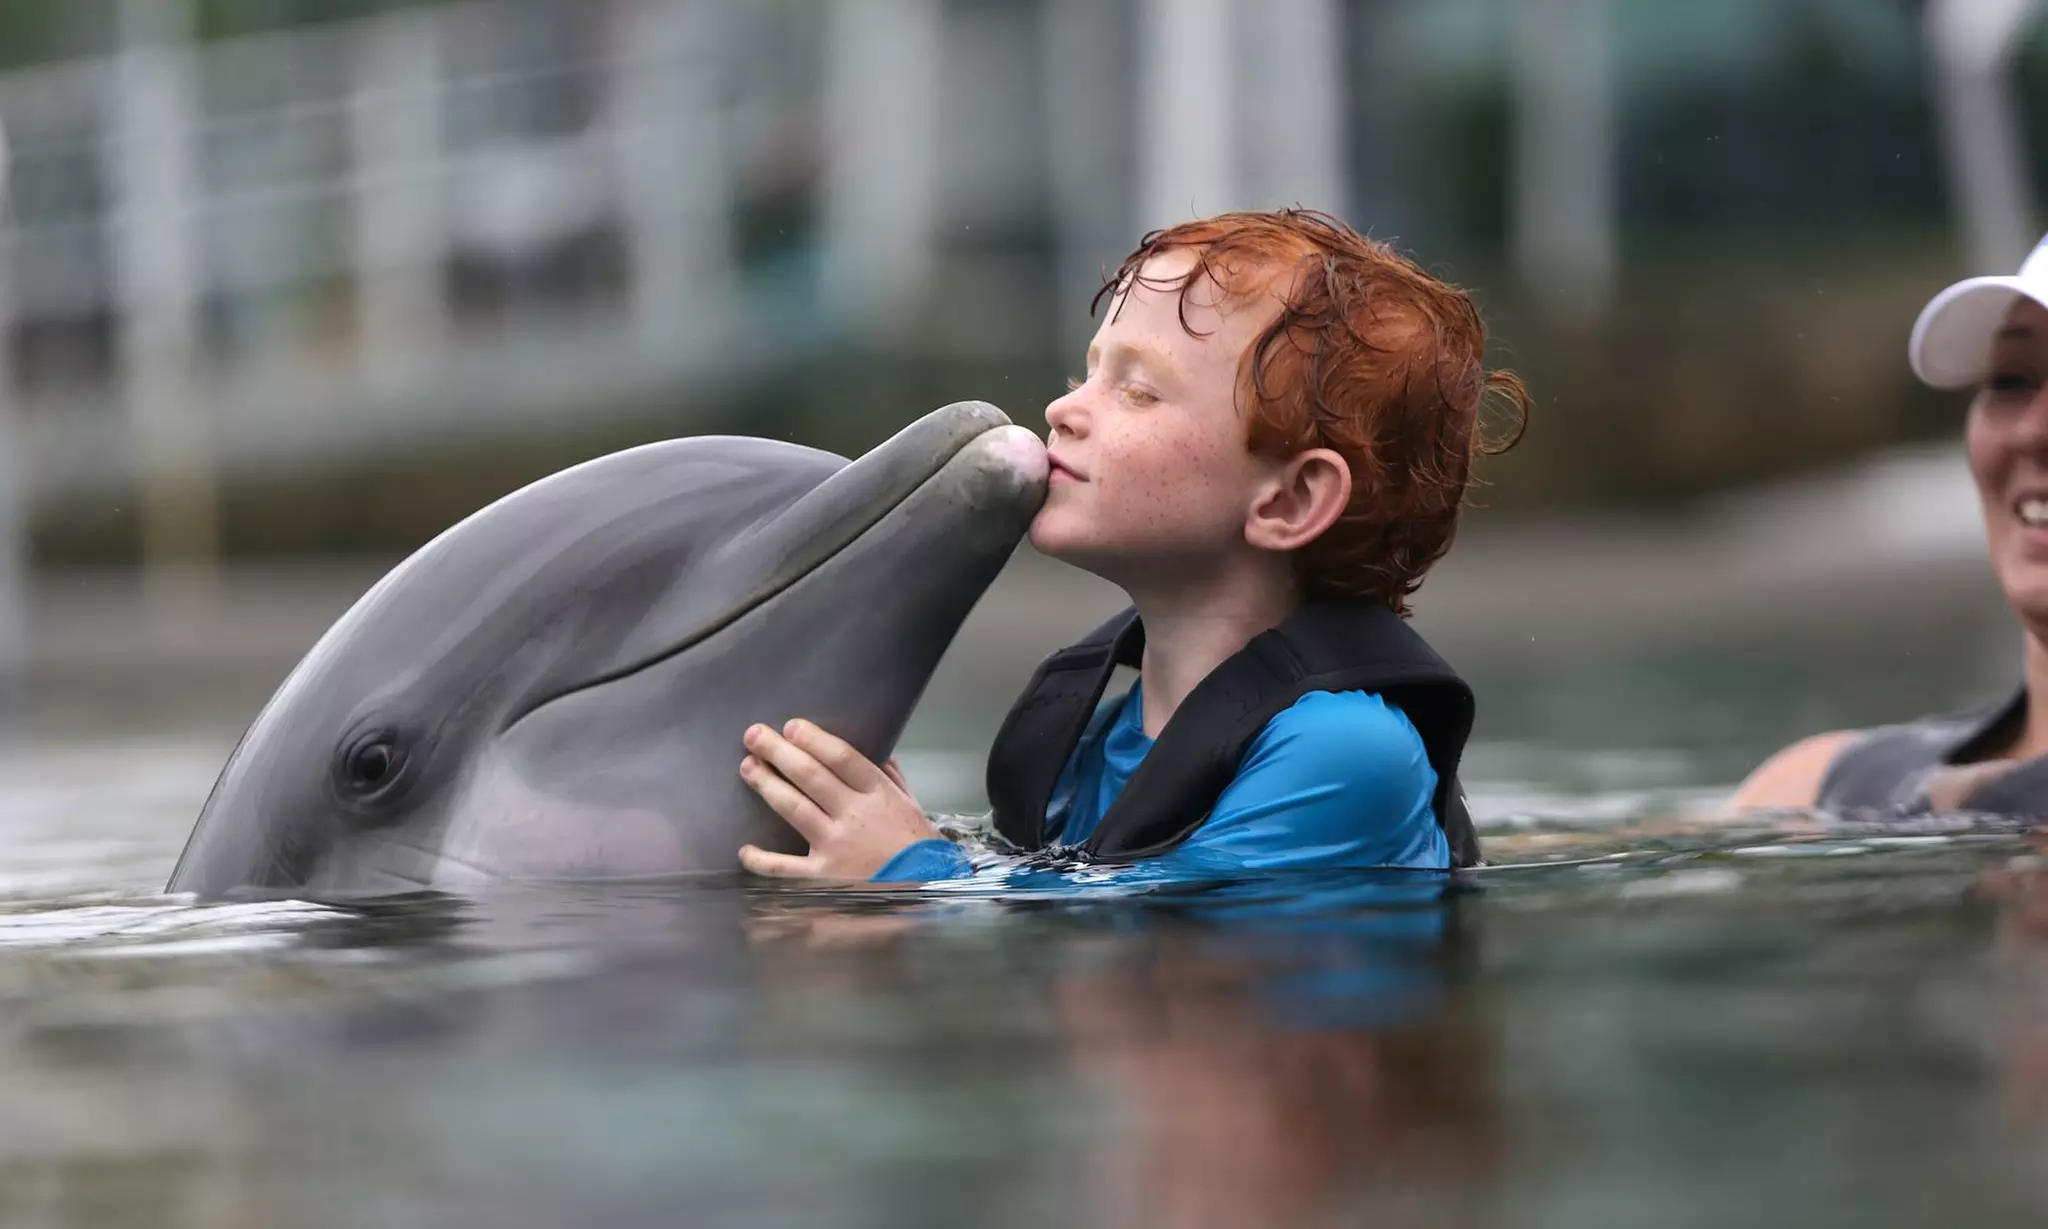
x: 1990, y: 333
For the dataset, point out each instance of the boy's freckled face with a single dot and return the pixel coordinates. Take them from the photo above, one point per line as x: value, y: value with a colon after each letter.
x: 1150, y: 463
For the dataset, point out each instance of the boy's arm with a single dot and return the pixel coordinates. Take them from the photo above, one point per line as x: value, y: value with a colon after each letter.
x: 1341, y: 779
x: 1338, y: 780
x: 930, y: 859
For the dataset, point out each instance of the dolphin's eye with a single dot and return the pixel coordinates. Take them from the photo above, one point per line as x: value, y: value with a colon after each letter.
x: 371, y: 764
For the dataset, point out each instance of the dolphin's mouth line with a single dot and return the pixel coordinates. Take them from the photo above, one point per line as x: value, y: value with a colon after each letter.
x: 760, y: 597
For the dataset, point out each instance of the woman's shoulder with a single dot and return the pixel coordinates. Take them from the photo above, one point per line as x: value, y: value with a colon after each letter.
x: 1792, y: 777
x: 1868, y: 767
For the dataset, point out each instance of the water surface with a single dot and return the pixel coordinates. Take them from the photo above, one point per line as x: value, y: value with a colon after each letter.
x: 1643, y: 1019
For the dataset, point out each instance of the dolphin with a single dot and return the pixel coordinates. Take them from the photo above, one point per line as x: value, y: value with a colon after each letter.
x: 555, y: 688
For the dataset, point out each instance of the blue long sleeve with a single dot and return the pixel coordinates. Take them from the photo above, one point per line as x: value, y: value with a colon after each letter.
x: 925, y: 861
x: 1338, y: 781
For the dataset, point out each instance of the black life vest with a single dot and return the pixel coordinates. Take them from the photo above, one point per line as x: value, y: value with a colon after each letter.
x: 1890, y: 768
x: 1324, y: 646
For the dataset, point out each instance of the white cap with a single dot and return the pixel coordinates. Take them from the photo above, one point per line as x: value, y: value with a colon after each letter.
x: 1951, y: 345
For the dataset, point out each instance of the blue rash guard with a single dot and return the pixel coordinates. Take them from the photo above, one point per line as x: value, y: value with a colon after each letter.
x: 1338, y: 780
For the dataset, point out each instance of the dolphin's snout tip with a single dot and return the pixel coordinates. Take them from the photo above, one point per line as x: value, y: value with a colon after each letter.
x: 1019, y: 452
x: 1005, y: 468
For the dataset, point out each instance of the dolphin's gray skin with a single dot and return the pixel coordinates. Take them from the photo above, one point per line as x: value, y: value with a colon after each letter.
x: 556, y: 687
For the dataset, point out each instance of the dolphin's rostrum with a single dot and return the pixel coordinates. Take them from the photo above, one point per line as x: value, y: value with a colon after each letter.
x: 556, y: 686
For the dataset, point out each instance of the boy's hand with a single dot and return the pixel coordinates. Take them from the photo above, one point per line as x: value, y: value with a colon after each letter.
x: 856, y: 816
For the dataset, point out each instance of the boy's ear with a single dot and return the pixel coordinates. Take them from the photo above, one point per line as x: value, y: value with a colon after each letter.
x: 1302, y: 499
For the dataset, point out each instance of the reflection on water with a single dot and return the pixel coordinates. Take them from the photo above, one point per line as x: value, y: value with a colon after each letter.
x: 1647, y: 1018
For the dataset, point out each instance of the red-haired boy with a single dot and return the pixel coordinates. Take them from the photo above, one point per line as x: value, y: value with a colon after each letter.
x: 1269, y: 450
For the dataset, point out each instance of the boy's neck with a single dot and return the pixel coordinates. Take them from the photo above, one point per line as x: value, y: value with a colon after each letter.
x: 1194, y: 626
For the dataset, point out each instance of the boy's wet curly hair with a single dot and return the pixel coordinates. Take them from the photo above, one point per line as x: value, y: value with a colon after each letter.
x: 1370, y: 357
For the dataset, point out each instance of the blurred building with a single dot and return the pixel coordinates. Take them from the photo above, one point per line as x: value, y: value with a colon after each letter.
x: 251, y: 246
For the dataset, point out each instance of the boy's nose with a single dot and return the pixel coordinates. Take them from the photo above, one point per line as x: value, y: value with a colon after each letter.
x: 1066, y: 417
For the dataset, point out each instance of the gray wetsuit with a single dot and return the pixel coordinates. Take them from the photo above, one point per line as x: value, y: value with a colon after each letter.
x: 1888, y: 769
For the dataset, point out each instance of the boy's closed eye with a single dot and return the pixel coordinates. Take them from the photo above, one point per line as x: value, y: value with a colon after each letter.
x: 1136, y: 394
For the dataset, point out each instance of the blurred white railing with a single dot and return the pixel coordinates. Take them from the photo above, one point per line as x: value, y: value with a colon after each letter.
x: 336, y: 239
x: 313, y: 246
x: 306, y: 248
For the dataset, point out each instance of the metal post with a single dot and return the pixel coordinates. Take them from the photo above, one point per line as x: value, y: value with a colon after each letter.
x: 395, y: 137
x: 881, y: 102
x: 666, y: 138
x: 1972, y: 42
x: 155, y: 255
x: 1187, y: 101
x: 1564, y: 208
x: 14, y: 503
x: 1295, y: 101
x: 1092, y: 192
